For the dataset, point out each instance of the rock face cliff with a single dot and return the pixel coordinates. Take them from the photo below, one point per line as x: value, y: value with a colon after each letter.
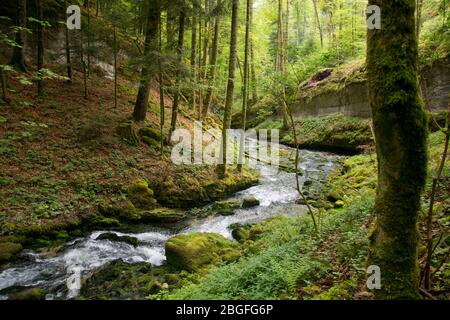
x: 345, y: 91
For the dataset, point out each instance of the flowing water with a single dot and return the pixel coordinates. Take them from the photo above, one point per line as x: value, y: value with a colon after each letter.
x: 81, y: 257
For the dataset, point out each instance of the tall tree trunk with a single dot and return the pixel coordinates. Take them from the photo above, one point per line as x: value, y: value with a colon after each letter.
x: 176, y: 99
x: 162, y: 113
x: 3, y: 82
x: 222, y: 168
x: 151, y: 38
x: 418, y: 17
x: 194, y: 56
x: 287, y: 33
x: 246, y: 86
x: 83, y: 66
x: 40, y: 47
x: 18, y: 55
x: 212, y: 68
x: 253, y: 73
x: 115, y: 67
x: 400, y: 127
x: 316, y: 13
x: 170, y: 29
x: 88, y: 38
x: 252, y: 65
x: 280, y: 43
x: 67, y: 47
x: 280, y: 64
x: 297, y: 24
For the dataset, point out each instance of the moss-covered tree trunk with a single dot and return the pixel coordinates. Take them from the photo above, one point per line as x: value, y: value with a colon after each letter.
x: 151, y: 42
x: 401, y: 132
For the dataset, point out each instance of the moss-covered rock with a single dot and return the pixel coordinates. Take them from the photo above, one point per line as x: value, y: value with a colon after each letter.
x: 29, y: 294
x: 226, y: 207
x: 116, y: 238
x: 8, y: 250
x: 195, y: 251
x: 141, y: 196
x: 120, y: 280
x: 122, y: 210
x: 246, y: 232
x: 163, y: 215
x: 127, y: 132
x: 250, y: 202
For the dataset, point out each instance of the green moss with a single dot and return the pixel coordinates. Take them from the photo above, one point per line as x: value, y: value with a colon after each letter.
x: 150, y: 133
x: 127, y: 131
x: 250, y: 202
x: 8, y: 250
x: 195, y: 251
x: 141, y: 195
x: 227, y: 207
x: 162, y: 215
x: 29, y: 294
x: 333, y: 132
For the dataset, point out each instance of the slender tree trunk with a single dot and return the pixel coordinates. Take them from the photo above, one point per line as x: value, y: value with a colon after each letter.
x: 287, y: 33
x: 170, y: 29
x: 418, y: 17
x: 68, y: 58
x: 3, y: 81
x: 88, y: 38
x: 316, y: 13
x: 212, y: 68
x: 40, y: 48
x: 18, y: 56
x: 253, y: 73
x: 297, y: 18
x: 252, y: 64
x: 245, y: 86
x: 222, y: 168
x: 162, y: 113
x: 400, y: 127
x: 151, y: 40
x: 194, y: 57
x: 83, y: 66
x: 434, y: 187
x: 280, y: 64
x: 176, y: 99
x: 115, y: 67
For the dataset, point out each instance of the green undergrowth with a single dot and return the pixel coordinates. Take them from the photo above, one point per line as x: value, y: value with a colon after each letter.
x: 289, y: 256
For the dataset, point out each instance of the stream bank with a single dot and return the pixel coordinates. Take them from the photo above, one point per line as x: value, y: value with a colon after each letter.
x: 79, y: 259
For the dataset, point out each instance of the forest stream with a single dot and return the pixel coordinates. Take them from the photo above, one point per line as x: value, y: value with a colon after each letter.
x: 276, y: 192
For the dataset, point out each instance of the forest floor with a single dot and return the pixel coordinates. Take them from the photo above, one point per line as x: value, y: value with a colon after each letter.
x: 61, y: 159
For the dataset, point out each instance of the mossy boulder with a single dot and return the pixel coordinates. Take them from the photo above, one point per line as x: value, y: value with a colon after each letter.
x: 141, y: 196
x: 250, y: 202
x: 29, y: 294
x: 8, y: 250
x: 119, y: 280
x: 246, y: 232
x: 122, y: 210
x: 116, y: 238
x: 162, y: 215
x: 227, y: 207
x: 195, y: 251
x: 127, y: 132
